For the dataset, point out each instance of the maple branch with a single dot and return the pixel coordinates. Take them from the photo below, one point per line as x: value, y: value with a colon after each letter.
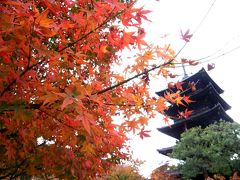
x: 23, y: 73
x: 29, y: 44
x: 29, y: 56
x: 17, y: 166
x: 28, y: 67
x: 131, y: 78
x: 14, y: 173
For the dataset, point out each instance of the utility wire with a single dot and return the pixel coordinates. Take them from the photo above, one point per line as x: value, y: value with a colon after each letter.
x: 205, y: 16
x: 198, y: 26
x: 211, y: 58
x: 214, y: 54
x: 218, y: 56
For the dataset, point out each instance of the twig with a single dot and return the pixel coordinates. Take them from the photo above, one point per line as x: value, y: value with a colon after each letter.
x: 129, y: 79
x: 23, y: 73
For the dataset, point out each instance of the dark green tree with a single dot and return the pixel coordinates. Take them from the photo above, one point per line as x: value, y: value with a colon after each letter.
x: 215, y: 149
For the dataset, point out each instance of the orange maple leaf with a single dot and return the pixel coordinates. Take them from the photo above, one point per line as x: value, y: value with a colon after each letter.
x: 43, y: 20
x: 161, y: 105
x: 178, y: 101
x: 187, y: 99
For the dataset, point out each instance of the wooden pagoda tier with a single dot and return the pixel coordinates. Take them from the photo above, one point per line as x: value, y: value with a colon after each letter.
x: 204, y: 100
x: 208, y: 107
x: 166, y: 151
x: 203, y: 119
x: 201, y: 78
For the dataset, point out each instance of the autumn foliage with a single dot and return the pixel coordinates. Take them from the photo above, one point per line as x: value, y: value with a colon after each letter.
x: 122, y: 172
x: 59, y: 92
x: 165, y: 172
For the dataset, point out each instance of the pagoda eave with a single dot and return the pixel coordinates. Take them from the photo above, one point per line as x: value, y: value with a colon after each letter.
x: 196, y: 96
x: 202, y: 119
x: 165, y: 151
x: 205, y: 79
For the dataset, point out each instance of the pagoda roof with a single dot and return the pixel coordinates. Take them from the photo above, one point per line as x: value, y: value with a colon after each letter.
x: 165, y: 151
x: 211, y: 92
x: 201, y: 78
x: 204, y: 118
x: 208, y: 92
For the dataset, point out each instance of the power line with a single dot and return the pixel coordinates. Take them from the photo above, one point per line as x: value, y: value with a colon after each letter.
x: 198, y: 26
x: 211, y: 58
x: 194, y: 32
x: 204, y: 17
x: 218, y: 56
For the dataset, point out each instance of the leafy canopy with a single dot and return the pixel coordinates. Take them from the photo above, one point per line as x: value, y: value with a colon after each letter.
x: 123, y: 173
x: 215, y: 149
x: 59, y: 92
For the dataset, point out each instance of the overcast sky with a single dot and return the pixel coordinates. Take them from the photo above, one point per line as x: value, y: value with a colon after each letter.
x: 218, y: 34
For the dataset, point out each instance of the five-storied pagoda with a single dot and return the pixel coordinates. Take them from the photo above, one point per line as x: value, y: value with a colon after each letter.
x: 208, y: 106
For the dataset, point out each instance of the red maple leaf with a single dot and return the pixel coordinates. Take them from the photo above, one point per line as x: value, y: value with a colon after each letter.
x: 185, y: 114
x: 170, y: 85
x: 179, y: 85
x: 144, y: 133
x: 186, y: 36
x: 210, y: 66
x: 193, y: 63
x: 66, y: 102
x: 172, y: 75
x: 183, y: 60
x: 166, y: 120
x: 192, y: 86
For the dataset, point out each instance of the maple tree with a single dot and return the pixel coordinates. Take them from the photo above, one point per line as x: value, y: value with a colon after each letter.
x: 59, y: 92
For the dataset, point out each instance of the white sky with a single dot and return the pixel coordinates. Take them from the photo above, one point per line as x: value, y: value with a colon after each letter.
x: 219, y: 32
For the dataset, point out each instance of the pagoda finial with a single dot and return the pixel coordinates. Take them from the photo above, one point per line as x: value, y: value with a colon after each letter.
x: 184, y: 72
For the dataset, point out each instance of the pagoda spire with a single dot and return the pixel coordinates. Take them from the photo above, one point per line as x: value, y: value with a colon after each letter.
x: 185, y: 75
